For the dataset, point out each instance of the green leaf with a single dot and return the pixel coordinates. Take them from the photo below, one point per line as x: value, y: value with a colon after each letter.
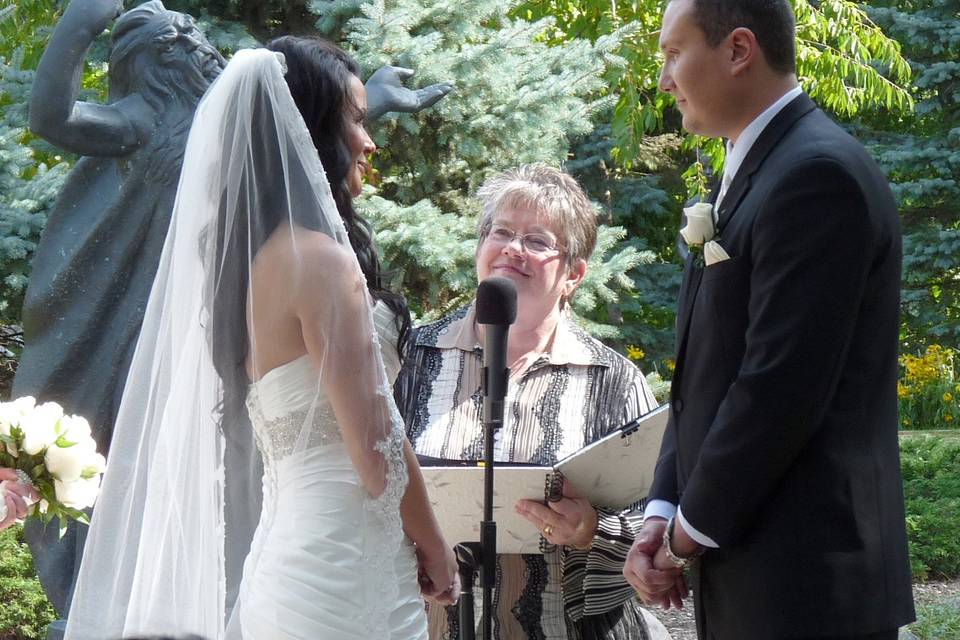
x: 63, y: 443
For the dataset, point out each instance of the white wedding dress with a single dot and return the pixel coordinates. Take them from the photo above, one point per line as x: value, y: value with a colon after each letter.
x: 313, y: 570
x: 328, y: 561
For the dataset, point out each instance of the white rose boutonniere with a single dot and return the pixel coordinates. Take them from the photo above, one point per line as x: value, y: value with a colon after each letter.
x: 700, y: 226
x: 700, y: 234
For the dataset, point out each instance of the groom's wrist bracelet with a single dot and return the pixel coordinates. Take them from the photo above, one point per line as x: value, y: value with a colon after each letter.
x: 681, y: 562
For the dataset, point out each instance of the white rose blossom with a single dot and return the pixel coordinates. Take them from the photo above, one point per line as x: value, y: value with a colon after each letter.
x: 26, y: 404
x: 40, y: 427
x: 78, y: 494
x: 76, y: 429
x: 700, y: 226
x: 68, y: 463
x: 9, y: 417
x: 12, y: 413
x: 80, y: 458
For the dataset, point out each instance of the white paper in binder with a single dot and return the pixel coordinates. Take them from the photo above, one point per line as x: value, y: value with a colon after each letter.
x: 615, y: 472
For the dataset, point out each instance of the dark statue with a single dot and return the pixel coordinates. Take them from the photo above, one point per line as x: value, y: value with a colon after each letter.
x: 94, y: 267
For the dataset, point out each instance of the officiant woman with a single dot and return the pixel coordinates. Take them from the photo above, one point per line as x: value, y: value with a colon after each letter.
x: 566, y: 390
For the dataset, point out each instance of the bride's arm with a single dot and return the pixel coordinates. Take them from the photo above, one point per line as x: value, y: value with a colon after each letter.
x: 438, y: 565
x: 332, y: 306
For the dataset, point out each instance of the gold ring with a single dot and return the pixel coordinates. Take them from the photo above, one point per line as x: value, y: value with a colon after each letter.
x: 547, y: 530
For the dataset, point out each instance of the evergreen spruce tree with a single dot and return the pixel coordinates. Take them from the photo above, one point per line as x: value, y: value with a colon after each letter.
x: 31, y: 173
x: 921, y: 155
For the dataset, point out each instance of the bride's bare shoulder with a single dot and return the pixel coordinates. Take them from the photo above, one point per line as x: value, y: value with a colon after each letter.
x: 321, y: 259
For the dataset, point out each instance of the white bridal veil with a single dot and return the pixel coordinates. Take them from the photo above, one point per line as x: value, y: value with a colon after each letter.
x: 159, y: 549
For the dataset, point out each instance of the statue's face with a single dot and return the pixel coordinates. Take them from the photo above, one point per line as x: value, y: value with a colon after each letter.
x: 181, y: 45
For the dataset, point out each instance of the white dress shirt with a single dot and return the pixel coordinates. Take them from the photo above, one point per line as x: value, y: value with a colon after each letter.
x: 736, y: 154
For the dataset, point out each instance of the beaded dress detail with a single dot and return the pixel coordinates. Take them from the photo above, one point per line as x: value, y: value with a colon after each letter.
x: 327, y: 560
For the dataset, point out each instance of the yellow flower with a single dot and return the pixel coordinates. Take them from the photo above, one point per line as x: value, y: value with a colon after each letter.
x: 906, y: 422
x: 902, y: 390
x: 947, y: 417
x: 947, y: 397
x: 671, y: 365
x: 634, y: 352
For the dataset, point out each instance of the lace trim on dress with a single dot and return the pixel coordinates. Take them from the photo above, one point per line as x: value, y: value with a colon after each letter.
x: 386, y: 508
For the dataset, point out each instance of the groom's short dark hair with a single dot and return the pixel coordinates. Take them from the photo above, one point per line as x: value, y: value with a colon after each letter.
x: 771, y: 21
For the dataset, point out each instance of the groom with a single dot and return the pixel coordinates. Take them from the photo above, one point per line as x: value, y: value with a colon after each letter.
x: 779, y: 476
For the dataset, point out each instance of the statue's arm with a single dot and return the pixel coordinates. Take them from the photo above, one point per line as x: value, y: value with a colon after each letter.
x: 55, y: 113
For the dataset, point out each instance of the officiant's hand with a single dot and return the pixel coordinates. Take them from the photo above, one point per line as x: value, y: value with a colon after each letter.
x: 437, y: 574
x: 16, y: 497
x: 654, y: 586
x: 569, y: 521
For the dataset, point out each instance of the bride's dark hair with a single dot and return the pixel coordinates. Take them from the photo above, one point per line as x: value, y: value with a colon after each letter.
x: 318, y: 76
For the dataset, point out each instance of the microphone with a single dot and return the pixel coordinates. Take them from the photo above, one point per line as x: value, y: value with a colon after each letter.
x: 496, y: 310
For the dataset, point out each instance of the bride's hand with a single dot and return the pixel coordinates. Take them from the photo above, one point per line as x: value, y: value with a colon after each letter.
x: 437, y: 574
x: 15, y: 497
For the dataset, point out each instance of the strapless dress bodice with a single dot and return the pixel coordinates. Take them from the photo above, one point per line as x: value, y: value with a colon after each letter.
x: 287, y: 405
x: 327, y: 561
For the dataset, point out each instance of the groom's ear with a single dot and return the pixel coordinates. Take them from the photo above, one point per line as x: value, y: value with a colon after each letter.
x: 743, y: 49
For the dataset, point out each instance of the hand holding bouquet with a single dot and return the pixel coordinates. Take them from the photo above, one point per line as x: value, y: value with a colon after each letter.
x: 54, y: 458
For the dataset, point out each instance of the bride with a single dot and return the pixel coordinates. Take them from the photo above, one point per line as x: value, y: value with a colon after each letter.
x: 267, y: 304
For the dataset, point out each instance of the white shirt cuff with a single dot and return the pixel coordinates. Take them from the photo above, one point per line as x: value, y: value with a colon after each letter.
x: 698, y: 537
x: 659, y: 509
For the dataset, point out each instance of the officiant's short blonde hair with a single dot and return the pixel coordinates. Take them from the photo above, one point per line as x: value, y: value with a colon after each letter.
x: 548, y: 192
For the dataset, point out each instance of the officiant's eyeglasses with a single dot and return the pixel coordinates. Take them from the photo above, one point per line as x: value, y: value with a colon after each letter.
x: 537, y: 242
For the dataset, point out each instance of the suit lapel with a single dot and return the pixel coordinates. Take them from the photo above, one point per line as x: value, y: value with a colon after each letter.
x: 688, y: 288
x: 693, y: 274
x: 771, y: 135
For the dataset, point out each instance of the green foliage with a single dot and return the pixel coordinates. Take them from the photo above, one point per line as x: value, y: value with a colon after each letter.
x: 26, y: 26
x: 840, y: 55
x: 28, y: 188
x: 843, y: 60
x: 24, y: 610
x: 937, y: 622
x: 659, y: 387
x: 920, y: 152
x: 931, y: 485
x: 640, y: 200
x: 931, y: 283
x: 31, y: 171
x: 928, y: 392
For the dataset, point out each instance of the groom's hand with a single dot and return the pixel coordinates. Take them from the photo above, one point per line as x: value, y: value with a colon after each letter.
x: 654, y: 586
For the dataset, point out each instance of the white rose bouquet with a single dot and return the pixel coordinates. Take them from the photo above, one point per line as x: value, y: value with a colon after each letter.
x: 55, y: 454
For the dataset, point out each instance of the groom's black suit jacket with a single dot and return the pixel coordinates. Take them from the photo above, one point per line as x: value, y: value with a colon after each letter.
x: 782, y: 444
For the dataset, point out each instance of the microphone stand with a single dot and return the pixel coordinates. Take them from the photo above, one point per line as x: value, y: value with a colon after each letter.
x: 471, y: 555
x: 496, y: 311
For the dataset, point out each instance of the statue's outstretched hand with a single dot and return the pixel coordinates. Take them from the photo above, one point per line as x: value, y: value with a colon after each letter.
x: 385, y: 92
